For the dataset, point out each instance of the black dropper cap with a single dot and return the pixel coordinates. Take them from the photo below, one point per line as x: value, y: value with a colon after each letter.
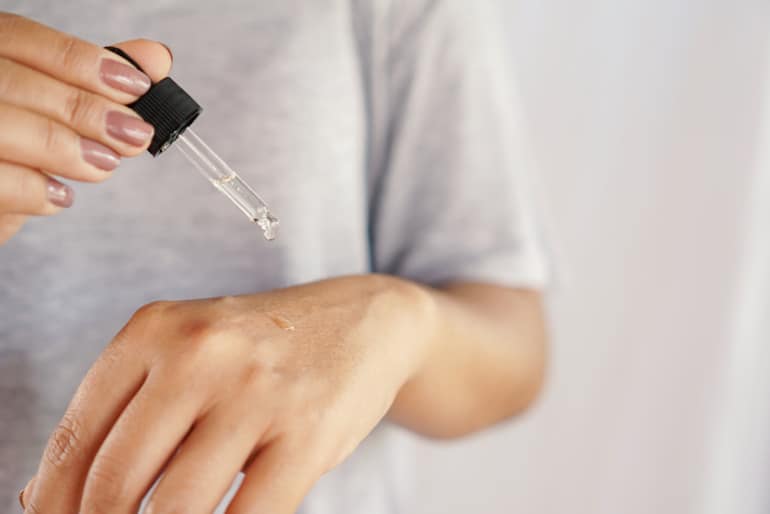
x: 165, y: 106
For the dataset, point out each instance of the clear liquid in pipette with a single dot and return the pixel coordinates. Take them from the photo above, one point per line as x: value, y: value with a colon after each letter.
x: 234, y: 188
x: 228, y: 182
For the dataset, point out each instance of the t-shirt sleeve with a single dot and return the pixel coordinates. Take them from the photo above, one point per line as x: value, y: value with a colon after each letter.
x: 450, y: 197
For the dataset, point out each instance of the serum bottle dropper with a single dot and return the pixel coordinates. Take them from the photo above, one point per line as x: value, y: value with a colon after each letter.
x: 168, y: 108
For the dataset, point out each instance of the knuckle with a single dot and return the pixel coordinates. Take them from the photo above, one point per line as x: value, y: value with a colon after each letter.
x: 197, y: 333
x: 79, y: 107
x: 198, y: 350
x: 144, y: 319
x: 101, y: 504
x: 195, y: 350
x: 151, y: 311
x: 65, y: 446
x: 51, y: 136
x: 69, y: 52
x: 106, y: 487
x: 8, y: 79
x: 25, y: 187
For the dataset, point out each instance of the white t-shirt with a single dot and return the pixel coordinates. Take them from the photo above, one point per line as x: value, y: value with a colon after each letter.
x: 379, y: 131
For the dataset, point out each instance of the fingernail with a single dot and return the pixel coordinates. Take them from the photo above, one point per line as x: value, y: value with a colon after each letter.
x: 128, y: 129
x: 99, y: 155
x: 60, y: 194
x: 22, y: 493
x: 170, y: 53
x: 124, y: 77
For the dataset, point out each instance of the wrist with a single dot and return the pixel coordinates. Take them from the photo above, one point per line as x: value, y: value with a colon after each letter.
x: 395, y: 319
x: 405, y: 314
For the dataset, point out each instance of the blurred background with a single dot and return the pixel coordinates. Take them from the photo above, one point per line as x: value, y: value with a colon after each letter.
x: 650, y: 123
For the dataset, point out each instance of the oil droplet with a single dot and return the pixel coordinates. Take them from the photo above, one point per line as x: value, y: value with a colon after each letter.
x: 268, y: 223
x: 281, y: 322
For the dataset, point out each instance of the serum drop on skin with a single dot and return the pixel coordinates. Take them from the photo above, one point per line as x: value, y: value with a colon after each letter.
x: 168, y: 108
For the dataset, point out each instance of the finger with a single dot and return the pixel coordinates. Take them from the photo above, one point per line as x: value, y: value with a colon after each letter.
x: 107, y: 388
x: 143, y: 439
x: 88, y: 114
x: 28, y: 191
x: 10, y: 224
x: 276, y: 481
x: 207, y: 462
x: 42, y: 143
x: 70, y: 59
x: 154, y: 58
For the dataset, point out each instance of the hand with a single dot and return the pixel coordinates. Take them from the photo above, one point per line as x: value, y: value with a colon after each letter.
x: 63, y: 112
x: 282, y: 385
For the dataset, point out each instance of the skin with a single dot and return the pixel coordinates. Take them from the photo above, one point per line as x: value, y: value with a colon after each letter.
x: 52, y: 94
x: 283, y: 384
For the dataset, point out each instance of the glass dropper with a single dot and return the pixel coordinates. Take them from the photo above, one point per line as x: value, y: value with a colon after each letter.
x: 171, y: 111
x: 227, y: 181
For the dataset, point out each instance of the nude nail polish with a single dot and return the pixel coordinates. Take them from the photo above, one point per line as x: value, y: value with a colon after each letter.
x: 124, y: 77
x: 99, y: 155
x: 129, y: 129
x: 59, y: 194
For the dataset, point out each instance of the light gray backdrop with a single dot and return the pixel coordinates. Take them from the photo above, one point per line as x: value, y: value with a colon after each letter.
x: 651, y: 126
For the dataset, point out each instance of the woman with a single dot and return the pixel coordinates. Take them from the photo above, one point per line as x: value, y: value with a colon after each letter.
x: 403, y: 287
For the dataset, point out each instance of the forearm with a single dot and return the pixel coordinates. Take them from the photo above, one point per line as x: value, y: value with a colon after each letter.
x: 482, y: 362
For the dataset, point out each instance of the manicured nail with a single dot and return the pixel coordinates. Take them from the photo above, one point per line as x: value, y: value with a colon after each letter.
x: 99, y: 155
x: 124, y: 77
x: 21, y: 499
x: 60, y: 194
x: 129, y: 129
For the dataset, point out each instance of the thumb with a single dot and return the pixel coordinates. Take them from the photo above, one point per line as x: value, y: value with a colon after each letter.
x: 155, y: 58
